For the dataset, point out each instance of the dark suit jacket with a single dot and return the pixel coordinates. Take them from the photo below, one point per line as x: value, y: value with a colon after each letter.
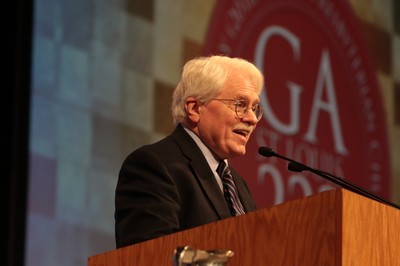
x: 167, y: 187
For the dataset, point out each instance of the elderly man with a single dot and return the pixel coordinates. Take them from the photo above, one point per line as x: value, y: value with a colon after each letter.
x: 184, y: 180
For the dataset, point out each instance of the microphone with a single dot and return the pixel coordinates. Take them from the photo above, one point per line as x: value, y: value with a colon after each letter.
x: 295, y: 166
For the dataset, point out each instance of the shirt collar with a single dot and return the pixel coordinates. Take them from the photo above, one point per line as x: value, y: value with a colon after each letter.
x: 208, y: 154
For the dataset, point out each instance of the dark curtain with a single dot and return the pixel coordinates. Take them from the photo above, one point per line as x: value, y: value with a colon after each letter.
x: 15, y: 129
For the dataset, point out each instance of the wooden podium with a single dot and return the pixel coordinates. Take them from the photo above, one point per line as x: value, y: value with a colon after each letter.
x: 335, y: 227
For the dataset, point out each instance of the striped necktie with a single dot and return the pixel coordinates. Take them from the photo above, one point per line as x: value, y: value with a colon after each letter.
x: 230, y: 192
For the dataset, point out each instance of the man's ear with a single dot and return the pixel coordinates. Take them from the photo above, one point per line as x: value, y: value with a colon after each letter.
x: 192, y: 109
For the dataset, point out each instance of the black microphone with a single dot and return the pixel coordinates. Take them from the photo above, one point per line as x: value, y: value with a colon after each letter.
x: 295, y: 166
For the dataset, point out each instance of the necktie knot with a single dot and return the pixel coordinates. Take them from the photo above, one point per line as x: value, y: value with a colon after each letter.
x: 230, y: 191
x: 223, y: 170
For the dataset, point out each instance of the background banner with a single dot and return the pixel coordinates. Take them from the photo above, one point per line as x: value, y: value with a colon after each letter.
x: 321, y: 98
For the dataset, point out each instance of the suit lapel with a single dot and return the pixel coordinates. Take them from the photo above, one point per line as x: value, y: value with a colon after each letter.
x: 243, y: 192
x: 202, y: 171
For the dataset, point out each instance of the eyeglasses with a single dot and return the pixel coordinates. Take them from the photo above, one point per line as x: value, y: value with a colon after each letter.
x: 241, y: 108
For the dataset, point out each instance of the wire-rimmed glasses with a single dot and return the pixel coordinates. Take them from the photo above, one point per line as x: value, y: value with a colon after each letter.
x: 241, y: 107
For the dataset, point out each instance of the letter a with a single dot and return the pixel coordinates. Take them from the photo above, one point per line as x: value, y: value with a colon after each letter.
x: 325, y: 81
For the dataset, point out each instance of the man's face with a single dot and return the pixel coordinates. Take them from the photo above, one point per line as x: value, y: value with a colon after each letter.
x: 219, y: 127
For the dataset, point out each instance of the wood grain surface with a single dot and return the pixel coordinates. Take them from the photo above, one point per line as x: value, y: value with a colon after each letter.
x: 334, y: 227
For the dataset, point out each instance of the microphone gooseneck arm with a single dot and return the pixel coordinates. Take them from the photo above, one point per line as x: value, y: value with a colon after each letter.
x: 295, y: 166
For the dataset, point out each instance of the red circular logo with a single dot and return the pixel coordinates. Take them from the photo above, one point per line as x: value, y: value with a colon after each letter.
x: 321, y: 98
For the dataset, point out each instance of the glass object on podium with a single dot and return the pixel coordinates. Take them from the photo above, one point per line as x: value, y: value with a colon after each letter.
x: 188, y: 256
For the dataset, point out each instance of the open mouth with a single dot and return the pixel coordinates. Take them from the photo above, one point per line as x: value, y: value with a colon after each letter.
x: 242, y: 132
